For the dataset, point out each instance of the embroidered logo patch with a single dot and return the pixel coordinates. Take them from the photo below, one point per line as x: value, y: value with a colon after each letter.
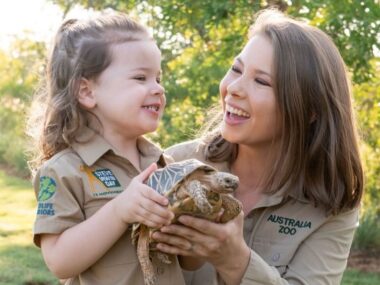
x: 106, y: 177
x: 45, y: 209
x: 288, y: 226
x: 47, y: 188
x: 101, y: 181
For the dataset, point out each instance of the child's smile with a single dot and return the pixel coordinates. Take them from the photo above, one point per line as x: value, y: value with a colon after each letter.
x: 153, y: 109
x: 128, y: 97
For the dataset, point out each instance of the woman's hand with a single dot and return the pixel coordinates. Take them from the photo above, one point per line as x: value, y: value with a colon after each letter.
x: 222, y: 245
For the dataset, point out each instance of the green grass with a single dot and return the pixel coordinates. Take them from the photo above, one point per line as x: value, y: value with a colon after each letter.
x: 21, y: 262
x: 353, y: 277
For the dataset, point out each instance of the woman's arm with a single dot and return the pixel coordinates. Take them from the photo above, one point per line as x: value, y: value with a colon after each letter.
x: 320, y: 259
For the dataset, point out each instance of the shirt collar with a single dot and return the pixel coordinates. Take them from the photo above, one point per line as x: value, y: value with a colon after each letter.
x: 149, y: 152
x: 276, y: 198
x: 91, y: 146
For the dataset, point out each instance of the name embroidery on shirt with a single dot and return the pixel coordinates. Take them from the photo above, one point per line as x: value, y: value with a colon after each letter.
x: 48, y: 187
x: 288, y: 226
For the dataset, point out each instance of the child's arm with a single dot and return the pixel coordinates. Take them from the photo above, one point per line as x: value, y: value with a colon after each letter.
x: 77, y: 248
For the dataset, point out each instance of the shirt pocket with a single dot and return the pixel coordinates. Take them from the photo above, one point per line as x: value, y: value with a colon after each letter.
x: 276, y: 253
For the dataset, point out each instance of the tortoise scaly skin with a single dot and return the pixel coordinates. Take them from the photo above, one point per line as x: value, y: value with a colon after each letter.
x: 192, y: 188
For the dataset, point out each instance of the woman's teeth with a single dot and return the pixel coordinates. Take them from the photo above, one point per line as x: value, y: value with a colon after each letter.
x: 237, y: 112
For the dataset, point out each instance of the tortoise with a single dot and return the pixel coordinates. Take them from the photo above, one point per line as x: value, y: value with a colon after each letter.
x: 192, y: 188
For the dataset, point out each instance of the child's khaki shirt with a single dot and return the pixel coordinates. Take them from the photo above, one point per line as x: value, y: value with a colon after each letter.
x: 77, y: 182
x: 291, y: 241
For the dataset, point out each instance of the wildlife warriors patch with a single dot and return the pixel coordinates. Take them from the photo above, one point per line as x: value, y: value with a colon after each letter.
x: 48, y: 188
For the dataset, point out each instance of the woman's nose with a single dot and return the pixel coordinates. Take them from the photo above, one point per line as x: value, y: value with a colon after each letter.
x: 235, y: 88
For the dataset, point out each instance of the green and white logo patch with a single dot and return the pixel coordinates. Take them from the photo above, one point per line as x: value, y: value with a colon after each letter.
x: 48, y: 187
x: 106, y: 177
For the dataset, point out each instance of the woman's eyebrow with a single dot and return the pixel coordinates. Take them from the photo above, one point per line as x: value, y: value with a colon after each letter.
x: 257, y: 70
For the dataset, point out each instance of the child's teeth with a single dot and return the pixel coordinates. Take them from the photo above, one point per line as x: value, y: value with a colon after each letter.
x: 154, y: 108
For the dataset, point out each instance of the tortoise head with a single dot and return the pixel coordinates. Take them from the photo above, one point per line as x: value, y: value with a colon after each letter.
x: 225, y: 182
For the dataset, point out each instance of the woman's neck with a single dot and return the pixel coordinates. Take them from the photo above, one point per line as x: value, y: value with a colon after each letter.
x: 250, y: 165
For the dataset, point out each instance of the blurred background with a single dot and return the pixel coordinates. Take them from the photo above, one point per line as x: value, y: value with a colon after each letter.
x: 198, y: 40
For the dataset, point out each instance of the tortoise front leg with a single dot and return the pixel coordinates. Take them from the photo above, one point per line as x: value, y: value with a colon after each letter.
x: 143, y: 256
x: 231, y: 206
x: 197, y: 192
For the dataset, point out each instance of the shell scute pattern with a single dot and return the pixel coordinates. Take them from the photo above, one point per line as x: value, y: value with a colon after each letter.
x: 164, y: 179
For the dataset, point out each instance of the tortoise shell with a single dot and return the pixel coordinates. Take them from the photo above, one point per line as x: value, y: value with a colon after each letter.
x: 169, y: 178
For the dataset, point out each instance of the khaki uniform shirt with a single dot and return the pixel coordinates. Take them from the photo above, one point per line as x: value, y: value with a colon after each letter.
x: 291, y: 241
x: 77, y: 182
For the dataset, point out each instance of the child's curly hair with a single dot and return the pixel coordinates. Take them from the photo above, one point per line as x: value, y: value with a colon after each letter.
x: 81, y: 50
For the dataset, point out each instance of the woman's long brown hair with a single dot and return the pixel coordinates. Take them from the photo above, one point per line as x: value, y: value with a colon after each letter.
x: 318, y: 156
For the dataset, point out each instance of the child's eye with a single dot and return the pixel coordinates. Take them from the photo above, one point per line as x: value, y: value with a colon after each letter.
x: 262, y: 82
x: 158, y: 79
x: 140, y: 78
x: 234, y: 68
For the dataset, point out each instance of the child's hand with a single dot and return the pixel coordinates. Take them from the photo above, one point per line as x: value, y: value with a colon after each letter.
x: 140, y: 203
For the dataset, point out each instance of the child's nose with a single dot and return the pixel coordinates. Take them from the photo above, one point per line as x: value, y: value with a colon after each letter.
x: 158, y: 89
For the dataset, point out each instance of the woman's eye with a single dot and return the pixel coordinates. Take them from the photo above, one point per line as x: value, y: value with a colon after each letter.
x: 235, y: 69
x: 262, y: 82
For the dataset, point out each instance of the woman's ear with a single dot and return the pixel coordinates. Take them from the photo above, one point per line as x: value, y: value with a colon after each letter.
x: 86, y: 96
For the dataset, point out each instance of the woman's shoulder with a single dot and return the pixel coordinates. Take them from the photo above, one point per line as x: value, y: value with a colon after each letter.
x: 186, y: 150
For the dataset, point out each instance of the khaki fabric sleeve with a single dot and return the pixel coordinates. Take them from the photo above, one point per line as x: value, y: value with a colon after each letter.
x: 59, y: 204
x: 186, y: 150
x: 320, y: 259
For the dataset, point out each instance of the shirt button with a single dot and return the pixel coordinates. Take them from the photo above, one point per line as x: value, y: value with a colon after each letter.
x: 276, y: 257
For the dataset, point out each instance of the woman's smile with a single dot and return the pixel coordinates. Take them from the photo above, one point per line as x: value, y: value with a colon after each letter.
x: 234, y: 115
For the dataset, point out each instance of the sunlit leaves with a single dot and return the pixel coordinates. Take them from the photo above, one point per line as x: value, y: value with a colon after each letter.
x: 20, y: 70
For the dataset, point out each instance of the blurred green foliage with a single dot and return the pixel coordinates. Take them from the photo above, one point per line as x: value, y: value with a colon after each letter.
x: 198, y: 40
x: 367, y: 102
x: 20, y: 69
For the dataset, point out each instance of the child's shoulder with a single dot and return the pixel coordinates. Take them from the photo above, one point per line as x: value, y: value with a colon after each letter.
x: 62, y: 162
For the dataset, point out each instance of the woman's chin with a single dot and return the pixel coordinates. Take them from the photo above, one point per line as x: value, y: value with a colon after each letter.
x: 229, y: 135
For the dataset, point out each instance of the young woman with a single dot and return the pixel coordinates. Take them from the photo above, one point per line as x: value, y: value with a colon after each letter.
x: 287, y: 130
